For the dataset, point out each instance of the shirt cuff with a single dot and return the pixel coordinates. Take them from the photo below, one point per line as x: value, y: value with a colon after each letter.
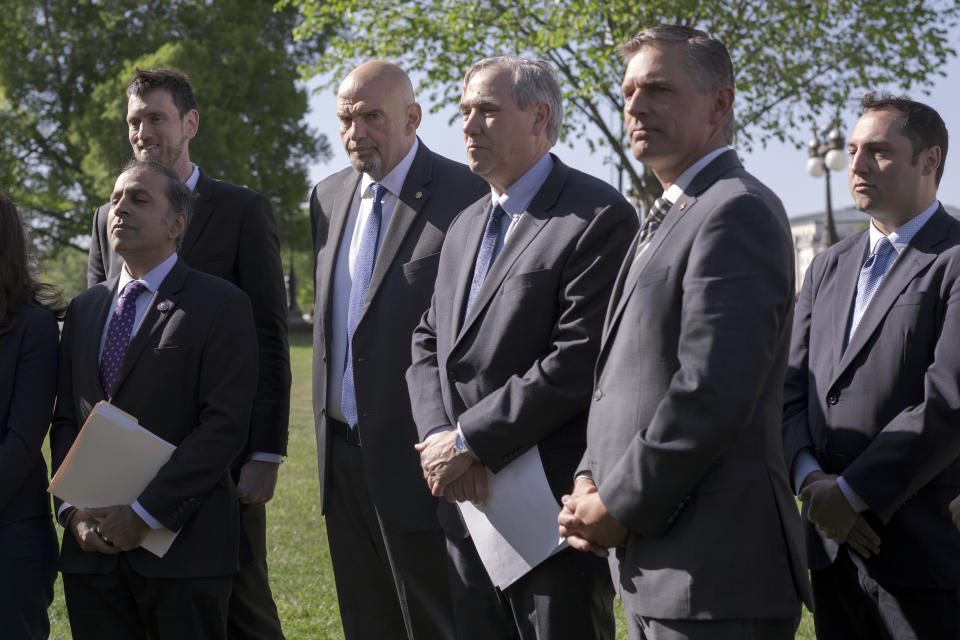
x: 803, y: 465
x: 437, y: 430
x: 263, y: 456
x: 465, y: 441
x: 152, y: 522
x: 63, y: 507
x: 855, y: 500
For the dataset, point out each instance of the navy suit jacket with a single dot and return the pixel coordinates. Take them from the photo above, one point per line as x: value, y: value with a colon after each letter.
x: 189, y: 376
x: 28, y: 384
x: 233, y: 235
x: 885, y: 411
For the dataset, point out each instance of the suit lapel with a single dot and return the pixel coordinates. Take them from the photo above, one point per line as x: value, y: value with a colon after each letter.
x: 848, y: 272
x: 163, y: 303
x: 476, y: 218
x: 89, y: 355
x: 915, y: 258
x: 528, y: 226
x: 327, y: 259
x: 410, y: 202
x: 202, y: 212
x: 678, y: 211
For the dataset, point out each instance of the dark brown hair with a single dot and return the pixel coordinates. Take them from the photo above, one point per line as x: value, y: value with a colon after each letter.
x: 144, y: 81
x: 18, y: 286
x: 922, y: 125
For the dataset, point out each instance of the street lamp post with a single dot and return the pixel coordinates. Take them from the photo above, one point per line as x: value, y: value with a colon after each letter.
x: 826, y: 155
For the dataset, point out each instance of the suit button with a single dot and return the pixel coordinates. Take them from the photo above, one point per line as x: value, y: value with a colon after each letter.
x: 452, y: 375
x: 597, y: 395
x: 833, y: 397
x: 361, y: 359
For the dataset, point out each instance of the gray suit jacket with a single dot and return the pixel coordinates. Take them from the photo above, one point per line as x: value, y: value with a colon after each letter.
x: 516, y: 372
x: 885, y: 411
x: 435, y: 191
x: 683, y: 439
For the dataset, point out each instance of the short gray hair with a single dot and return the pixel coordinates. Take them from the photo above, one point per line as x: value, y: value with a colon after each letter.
x: 533, y: 81
x: 707, y: 59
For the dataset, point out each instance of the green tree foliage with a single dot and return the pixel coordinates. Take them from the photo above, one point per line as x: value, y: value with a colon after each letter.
x: 795, y: 60
x: 64, y: 66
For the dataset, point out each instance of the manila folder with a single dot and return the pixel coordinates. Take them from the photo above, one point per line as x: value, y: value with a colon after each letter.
x: 111, y: 462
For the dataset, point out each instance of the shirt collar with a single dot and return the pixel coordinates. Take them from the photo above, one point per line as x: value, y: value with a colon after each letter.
x: 194, y: 178
x: 393, y: 181
x: 902, y: 236
x: 679, y: 186
x: 520, y: 194
x: 153, y: 278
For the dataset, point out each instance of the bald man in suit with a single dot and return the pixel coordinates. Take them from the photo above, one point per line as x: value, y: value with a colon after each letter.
x: 385, y: 541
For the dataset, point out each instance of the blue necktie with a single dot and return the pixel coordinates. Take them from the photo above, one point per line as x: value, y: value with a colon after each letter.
x: 118, y: 336
x: 362, y: 270
x: 486, y: 255
x: 871, y: 275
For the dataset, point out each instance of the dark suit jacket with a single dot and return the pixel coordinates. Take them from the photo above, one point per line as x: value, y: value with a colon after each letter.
x: 436, y: 189
x: 232, y: 234
x: 683, y: 439
x: 516, y: 372
x: 885, y: 411
x: 28, y: 384
x: 189, y: 375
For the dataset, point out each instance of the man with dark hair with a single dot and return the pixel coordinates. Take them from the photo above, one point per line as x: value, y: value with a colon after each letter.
x: 233, y: 235
x: 377, y: 230
x: 176, y: 349
x: 502, y: 359
x: 683, y: 474
x: 871, y: 405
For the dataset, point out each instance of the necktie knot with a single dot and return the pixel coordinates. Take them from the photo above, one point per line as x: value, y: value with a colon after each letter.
x: 378, y: 191
x: 874, y: 269
x: 131, y: 290
x: 651, y: 222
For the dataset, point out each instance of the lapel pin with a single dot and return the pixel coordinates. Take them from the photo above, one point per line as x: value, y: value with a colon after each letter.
x: 683, y: 205
x: 418, y: 195
x: 163, y: 306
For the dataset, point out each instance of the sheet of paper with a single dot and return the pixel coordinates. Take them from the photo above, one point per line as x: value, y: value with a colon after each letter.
x: 110, y: 463
x: 515, y: 529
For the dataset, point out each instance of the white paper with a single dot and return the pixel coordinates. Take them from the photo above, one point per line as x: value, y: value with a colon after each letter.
x: 515, y: 529
x: 111, y: 462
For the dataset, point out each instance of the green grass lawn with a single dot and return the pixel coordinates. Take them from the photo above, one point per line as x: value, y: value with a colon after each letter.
x: 298, y: 556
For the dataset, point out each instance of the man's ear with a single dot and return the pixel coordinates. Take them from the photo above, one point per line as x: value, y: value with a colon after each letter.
x: 541, y: 116
x: 191, y: 123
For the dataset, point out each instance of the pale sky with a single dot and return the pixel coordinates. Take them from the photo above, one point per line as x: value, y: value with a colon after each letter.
x: 780, y: 166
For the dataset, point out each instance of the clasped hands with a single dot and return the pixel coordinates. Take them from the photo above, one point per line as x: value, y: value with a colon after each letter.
x: 832, y: 514
x: 585, y: 522
x: 454, y: 476
x: 108, y: 529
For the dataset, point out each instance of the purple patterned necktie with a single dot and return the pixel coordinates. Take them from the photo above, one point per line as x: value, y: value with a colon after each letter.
x: 118, y: 336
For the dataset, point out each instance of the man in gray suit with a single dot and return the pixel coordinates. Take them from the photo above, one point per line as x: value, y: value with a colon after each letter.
x: 871, y: 408
x: 502, y: 358
x: 377, y: 230
x: 683, y: 473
